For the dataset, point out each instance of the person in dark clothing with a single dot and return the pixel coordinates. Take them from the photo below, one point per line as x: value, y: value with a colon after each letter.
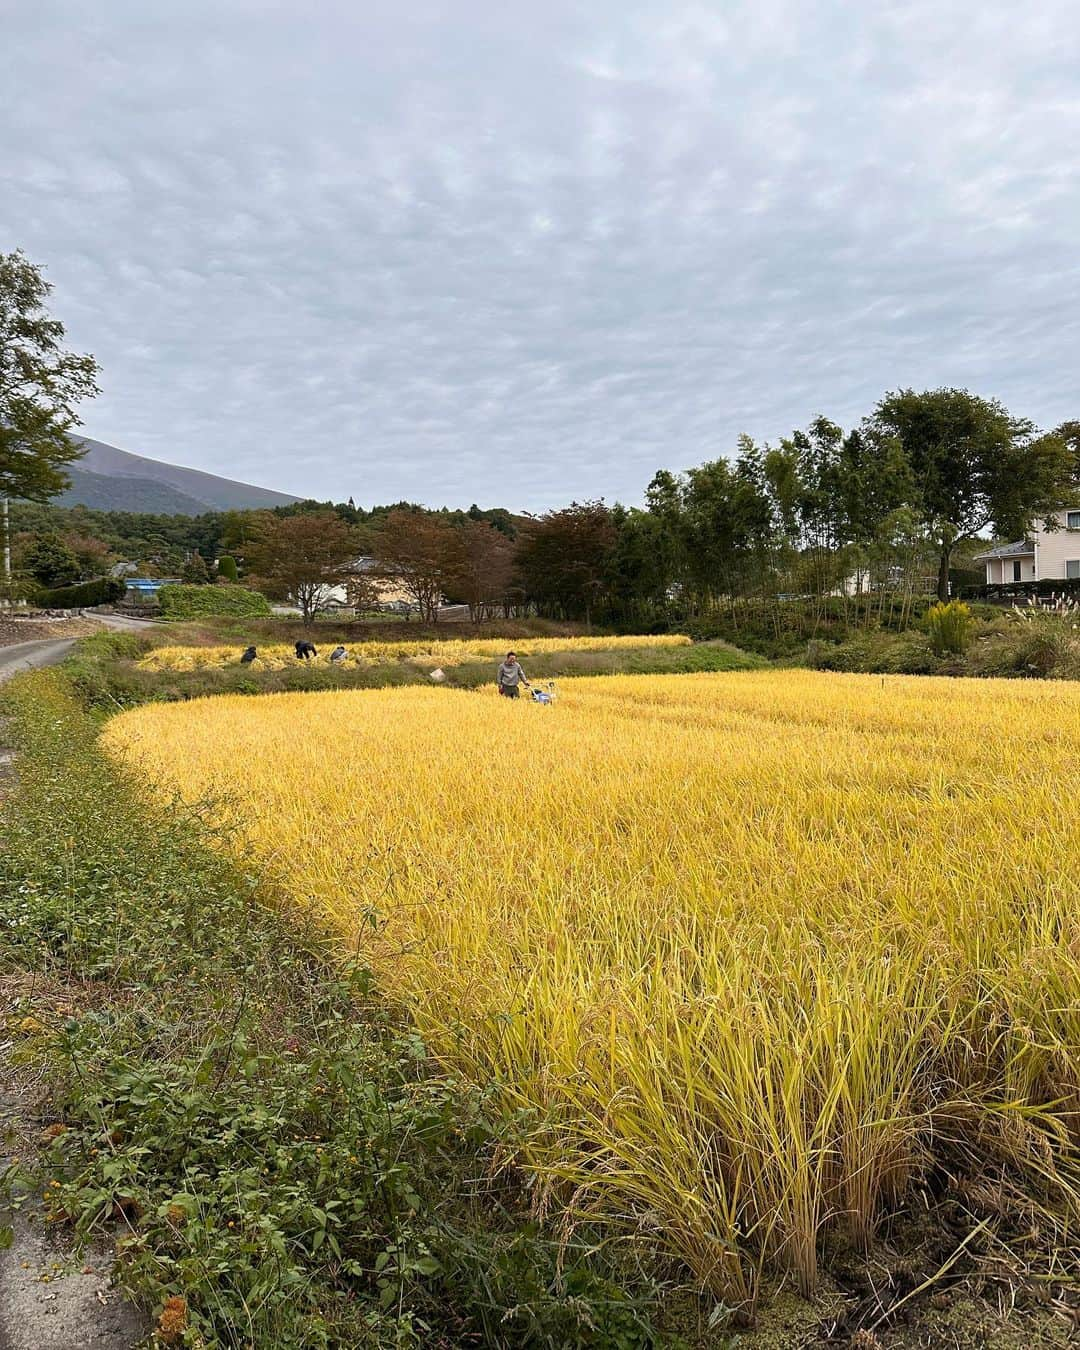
x: 338, y: 655
x: 305, y: 651
x: 510, y: 676
x: 249, y: 655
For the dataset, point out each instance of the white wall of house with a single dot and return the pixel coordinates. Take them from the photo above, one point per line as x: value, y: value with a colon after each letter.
x: 1055, y: 550
x: 1002, y: 571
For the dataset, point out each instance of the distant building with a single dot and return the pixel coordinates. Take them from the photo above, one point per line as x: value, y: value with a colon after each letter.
x: 390, y: 595
x: 1049, y: 555
x: 147, y: 587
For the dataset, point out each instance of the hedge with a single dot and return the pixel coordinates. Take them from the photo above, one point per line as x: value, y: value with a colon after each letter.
x: 1021, y: 590
x: 101, y: 591
x: 203, y: 602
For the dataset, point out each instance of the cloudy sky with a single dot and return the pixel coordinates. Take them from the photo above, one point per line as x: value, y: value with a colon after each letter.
x: 456, y: 251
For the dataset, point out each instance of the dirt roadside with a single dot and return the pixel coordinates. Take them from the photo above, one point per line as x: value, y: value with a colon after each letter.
x: 49, y: 1298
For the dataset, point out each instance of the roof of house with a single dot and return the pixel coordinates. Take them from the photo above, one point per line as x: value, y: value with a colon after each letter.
x: 1023, y: 548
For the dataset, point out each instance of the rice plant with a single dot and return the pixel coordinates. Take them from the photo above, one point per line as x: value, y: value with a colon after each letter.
x: 451, y: 652
x: 747, y: 950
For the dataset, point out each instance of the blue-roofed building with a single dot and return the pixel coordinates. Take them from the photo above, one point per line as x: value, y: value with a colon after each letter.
x: 147, y: 587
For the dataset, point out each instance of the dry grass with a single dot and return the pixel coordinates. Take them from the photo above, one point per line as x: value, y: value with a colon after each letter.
x: 750, y: 948
x: 452, y: 652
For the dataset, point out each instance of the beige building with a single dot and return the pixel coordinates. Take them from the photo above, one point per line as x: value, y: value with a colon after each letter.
x: 1049, y: 555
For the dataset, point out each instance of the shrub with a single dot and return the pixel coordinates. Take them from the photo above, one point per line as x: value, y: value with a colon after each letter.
x: 876, y: 653
x: 227, y: 569
x: 101, y: 591
x: 950, y: 627
x: 201, y: 602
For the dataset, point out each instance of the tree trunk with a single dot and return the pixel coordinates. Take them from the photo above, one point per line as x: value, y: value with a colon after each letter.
x: 943, y: 575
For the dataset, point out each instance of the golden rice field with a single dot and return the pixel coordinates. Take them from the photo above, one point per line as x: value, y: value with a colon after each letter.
x: 452, y: 652
x: 753, y: 947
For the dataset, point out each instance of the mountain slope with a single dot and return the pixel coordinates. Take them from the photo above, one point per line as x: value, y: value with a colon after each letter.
x: 109, y: 479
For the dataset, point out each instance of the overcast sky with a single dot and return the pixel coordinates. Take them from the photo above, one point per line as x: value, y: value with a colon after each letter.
x: 518, y: 254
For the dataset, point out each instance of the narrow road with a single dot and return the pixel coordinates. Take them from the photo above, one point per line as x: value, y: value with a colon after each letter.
x: 22, y: 656
x: 122, y: 623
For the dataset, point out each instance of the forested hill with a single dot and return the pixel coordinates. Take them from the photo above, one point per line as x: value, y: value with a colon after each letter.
x: 109, y: 479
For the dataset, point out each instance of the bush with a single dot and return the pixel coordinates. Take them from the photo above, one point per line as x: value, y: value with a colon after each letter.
x: 227, y: 569
x: 201, y: 602
x: 876, y: 653
x: 102, y: 591
x: 950, y: 627
x: 1021, y: 590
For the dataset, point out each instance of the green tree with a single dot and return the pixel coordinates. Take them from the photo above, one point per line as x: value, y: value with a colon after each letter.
x: 565, y: 559
x: 972, y: 466
x: 226, y: 568
x: 40, y: 386
x: 195, y: 571
x: 50, y: 562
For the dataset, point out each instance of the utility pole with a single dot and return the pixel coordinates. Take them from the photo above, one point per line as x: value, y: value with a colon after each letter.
x: 7, y: 554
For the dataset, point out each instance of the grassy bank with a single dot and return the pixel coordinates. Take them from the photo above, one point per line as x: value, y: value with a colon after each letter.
x: 282, y: 1163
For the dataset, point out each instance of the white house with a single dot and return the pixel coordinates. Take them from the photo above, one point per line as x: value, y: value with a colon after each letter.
x: 1049, y: 555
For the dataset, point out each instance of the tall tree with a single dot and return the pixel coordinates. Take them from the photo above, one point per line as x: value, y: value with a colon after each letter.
x: 303, y: 558
x: 195, y: 571
x: 565, y: 559
x: 50, y: 562
x: 485, y: 569
x: 40, y: 385
x: 421, y: 553
x: 972, y: 466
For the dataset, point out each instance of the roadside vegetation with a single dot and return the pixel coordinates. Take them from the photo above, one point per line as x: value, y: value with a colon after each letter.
x: 1032, y: 642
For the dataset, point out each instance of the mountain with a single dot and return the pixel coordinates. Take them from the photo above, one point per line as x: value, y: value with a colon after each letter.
x: 108, y: 479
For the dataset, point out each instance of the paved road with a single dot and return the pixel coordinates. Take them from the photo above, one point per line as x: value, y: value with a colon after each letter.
x: 122, y: 623
x: 20, y: 656
x: 32, y: 655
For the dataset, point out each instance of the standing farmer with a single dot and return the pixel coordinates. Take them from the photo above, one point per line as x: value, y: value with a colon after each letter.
x: 510, y: 676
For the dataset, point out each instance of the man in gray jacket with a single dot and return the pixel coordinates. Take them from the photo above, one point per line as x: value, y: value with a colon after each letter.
x: 510, y: 676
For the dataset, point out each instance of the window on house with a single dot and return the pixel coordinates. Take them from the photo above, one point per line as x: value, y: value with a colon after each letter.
x: 1072, y: 569
x: 1072, y: 520
x: 1017, y: 571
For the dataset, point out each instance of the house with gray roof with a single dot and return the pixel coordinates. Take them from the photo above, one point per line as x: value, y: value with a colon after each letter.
x: 1048, y: 555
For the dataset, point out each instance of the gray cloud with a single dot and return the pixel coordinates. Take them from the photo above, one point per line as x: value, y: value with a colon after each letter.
x: 452, y: 252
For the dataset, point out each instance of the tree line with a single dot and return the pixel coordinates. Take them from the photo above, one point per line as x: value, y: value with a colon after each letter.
x: 881, y: 506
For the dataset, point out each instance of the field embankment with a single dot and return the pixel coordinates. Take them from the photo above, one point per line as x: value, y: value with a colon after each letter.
x: 120, y: 671
x: 764, y: 957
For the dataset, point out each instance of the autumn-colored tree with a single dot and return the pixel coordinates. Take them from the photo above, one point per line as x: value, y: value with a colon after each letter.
x: 92, y: 553
x: 422, y: 554
x: 565, y: 559
x: 486, y: 570
x: 303, y: 558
